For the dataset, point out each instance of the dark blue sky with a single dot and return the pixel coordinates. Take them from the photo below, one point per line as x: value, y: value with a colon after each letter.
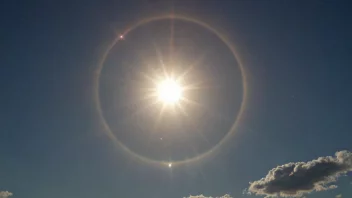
x: 298, y: 58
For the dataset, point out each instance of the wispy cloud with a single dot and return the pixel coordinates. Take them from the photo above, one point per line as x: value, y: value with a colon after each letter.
x: 5, y: 194
x: 339, y: 196
x: 202, y: 196
x: 296, y: 179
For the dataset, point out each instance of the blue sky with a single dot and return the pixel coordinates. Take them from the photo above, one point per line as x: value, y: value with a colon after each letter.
x: 297, y: 58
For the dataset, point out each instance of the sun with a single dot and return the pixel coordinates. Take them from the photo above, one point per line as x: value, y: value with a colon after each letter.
x: 169, y: 91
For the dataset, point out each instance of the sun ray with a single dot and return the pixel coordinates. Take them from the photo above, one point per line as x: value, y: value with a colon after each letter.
x: 172, y: 27
x: 195, y: 126
x: 160, y: 115
x: 160, y: 59
x: 182, y: 110
x: 184, y: 99
x: 198, y: 86
x: 139, y: 111
x: 202, y: 174
x: 148, y: 96
x: 156, y: 123
x: 193, y: 86
x: 170, y: 89
x: 195, y: 152
x: 191, y: 67
x: 153, y: 80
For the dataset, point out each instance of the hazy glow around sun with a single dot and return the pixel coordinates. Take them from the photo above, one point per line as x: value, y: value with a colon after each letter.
x: 169, y: 91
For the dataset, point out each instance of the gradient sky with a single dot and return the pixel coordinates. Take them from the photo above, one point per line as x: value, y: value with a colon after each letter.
x: 298, y: 58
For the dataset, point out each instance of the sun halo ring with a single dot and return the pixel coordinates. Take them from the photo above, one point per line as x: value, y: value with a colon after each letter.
x: 201, y: 156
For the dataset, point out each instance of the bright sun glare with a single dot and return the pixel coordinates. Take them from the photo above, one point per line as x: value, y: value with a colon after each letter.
x: 169, y: 91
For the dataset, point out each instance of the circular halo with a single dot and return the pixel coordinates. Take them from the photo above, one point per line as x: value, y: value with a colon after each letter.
x: 106, y: 126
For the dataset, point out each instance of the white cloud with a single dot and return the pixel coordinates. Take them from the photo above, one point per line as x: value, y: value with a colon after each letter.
x: 5, y: 194
x: 339, y: 196
x: 299, y: 178
x: 202, y: 196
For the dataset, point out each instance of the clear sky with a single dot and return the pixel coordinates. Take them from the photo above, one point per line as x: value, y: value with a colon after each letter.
x: 297, y: 58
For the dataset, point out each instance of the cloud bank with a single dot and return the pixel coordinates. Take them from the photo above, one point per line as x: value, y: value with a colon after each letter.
x: 202, y: 196
x: 296, y: 179
x: 5, y: 194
